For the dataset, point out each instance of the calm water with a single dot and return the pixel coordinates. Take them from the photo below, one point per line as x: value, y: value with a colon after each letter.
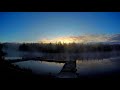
x: 90, y: 67
x: 84, y: 67
x: 43, y: 67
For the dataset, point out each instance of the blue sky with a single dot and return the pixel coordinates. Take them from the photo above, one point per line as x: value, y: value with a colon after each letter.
x: 34, y: 26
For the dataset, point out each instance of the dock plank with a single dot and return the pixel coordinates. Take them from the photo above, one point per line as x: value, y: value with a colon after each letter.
x: 68, y: 70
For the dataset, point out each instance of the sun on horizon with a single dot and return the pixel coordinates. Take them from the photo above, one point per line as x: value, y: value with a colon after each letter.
x: 62, y: 40
x: 81, y: 39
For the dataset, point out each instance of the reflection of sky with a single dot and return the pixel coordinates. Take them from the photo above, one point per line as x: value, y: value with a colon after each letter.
x: 33, y: 26
x: 41, y: 67
x: 87, y: 67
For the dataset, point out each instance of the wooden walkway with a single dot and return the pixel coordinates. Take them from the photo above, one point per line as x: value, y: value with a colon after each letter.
x: 68, y: 70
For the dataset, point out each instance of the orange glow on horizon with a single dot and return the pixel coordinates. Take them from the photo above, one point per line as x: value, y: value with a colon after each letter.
x: 60, y: 39
x: 77, y: 39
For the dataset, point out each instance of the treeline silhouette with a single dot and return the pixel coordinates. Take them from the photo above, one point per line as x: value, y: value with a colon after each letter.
x: 70, y: 48
x: 2, y: 54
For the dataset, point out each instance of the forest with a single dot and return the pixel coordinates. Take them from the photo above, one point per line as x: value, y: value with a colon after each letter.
x: 70, y: 48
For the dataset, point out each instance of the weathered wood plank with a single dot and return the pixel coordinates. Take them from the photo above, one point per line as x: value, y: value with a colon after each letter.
x: 68, y: 70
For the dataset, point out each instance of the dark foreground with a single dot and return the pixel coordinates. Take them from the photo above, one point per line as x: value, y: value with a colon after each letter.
x: 10, y: 74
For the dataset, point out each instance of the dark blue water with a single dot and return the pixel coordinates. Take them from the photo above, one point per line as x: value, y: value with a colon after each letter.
x: 44, y: 68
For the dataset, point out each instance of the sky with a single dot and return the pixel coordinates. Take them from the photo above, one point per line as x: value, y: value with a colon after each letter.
x: 41, y: 26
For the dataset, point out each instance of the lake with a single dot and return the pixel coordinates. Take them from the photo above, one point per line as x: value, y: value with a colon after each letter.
x: 96, y: 67
x: 84, y: 67
x: 41, y: 67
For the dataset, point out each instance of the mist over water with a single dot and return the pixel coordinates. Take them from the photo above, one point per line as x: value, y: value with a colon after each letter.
x: 87, y: 63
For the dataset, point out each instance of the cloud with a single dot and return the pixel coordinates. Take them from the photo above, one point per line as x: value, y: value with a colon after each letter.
x: 85, y: 38
x: 114, y: 38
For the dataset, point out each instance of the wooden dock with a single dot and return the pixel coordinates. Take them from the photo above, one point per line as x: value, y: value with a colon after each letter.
x: 68, y: 70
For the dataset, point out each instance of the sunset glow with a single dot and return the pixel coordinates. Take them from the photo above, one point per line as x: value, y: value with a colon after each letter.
x: 59, y: 39
x: 64, y: 27
x: 78, y: 39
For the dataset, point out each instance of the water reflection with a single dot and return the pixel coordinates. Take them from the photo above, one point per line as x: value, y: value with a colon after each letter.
x: 84, y: 67
x: 88, y: 67
x: 43, y: 67
x: 69, y: 56
x: 82, y: 56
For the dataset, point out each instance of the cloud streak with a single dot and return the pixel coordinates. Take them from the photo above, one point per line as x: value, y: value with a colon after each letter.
x: 84, y: 39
